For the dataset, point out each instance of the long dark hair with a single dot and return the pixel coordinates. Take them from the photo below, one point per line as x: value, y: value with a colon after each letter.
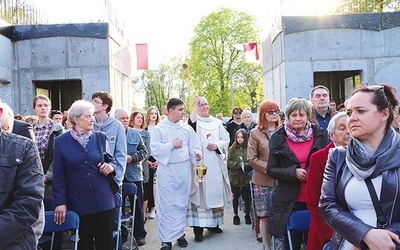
x: 236, y: 145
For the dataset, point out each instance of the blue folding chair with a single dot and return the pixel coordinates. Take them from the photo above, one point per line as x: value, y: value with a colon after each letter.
x: 118, y: 203
x: 71, y: 223
x: 327, y: 246
x: 128, y: 189
x: 299, y: 220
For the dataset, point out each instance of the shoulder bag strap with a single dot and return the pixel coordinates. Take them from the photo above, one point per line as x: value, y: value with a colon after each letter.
x: 100, y: 147
x: 377, y: 205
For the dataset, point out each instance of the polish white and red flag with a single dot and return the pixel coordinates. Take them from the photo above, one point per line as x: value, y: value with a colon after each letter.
x: 147, y: 56
x: 250, y: 50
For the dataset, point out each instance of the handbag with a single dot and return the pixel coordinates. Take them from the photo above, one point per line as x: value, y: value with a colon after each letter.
x: 111, y: 177
x: 382, y: 223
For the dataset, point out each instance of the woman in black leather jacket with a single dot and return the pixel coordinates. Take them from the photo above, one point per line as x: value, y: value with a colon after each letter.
x: 372, y: 153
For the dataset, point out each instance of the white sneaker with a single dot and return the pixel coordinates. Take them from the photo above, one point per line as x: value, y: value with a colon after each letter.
x: 152, y: 214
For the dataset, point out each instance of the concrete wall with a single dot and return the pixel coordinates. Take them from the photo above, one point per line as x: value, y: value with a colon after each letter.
x: 90, y: 53
x: 5, y: 69
x: 60, y: 58
x: 295, y: 53
x: 121, y: 85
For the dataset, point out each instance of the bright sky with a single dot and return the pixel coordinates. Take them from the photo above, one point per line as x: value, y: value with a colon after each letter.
x: 171, y: 22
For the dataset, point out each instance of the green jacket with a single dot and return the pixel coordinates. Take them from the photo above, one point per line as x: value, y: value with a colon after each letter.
x: 236, y: 175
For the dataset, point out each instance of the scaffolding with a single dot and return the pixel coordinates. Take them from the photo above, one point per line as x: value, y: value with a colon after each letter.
x: 20, y: 12
x: 26, y: 12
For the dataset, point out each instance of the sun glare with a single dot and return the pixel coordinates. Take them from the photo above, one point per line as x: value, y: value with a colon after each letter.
x: 309, y: 7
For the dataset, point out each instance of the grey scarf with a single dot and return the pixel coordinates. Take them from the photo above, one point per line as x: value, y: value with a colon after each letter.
x: 363, y: 165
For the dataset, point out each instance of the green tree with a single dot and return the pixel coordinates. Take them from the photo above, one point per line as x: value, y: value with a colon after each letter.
x: 215, y: 62
x: 248, y: 86
x: 157, y: 86
x: 367, y: 6
x: 160, y: 85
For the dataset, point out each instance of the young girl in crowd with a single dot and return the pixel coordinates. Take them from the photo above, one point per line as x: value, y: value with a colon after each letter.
x: 239, y: 174
x: 152, y: 119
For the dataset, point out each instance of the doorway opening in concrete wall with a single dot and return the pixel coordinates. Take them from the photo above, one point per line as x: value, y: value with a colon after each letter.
x: 62, y: 93
x: 340, y: 83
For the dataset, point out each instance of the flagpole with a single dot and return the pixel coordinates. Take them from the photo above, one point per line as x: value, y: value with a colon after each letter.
x: 247, y: 47
x: 231, y: 80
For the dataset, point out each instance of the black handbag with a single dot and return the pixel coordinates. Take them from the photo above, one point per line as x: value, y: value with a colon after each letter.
x: 111, y: 177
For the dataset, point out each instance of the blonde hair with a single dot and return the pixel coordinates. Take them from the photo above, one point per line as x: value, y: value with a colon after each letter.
x: 149, y: 109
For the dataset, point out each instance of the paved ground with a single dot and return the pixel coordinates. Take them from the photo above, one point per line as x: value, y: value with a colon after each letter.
x: 233, y: 236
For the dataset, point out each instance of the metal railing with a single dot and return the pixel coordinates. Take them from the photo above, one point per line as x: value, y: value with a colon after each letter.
x: 24, y: 12
x: 20, y: 12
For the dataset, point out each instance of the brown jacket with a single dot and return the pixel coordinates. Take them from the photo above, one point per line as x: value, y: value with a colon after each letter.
x: 257, y: 156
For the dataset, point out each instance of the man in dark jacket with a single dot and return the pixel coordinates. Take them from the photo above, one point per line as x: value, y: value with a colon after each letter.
x: 22, y: 185
x: 322, y: 112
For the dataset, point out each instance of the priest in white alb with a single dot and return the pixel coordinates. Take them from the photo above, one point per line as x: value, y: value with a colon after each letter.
x: 175, y: 146
x: 209, y: 198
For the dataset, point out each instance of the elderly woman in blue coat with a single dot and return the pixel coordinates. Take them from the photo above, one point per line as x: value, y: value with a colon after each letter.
x: 80, y: 181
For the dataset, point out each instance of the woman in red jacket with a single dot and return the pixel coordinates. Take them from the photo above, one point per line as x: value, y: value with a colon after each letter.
x: 320, y: 233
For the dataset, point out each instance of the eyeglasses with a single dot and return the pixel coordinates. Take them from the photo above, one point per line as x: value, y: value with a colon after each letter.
x: 97, y: 101
x: 271, y: 112
x: 237, y: 113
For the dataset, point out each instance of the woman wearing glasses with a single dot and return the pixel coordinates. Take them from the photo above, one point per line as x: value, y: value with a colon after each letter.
x: 257, y: 155
x: 368, y: 166
x: 290, y: 149
x: 233, y: 123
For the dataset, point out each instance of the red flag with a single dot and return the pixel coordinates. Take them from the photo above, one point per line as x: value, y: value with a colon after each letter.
x: 148, y: 56
x: 251, y: 51
x: 142, y: 56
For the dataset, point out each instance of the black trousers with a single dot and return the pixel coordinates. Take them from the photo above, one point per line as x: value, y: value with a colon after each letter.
x: 98, y: 226
x: 245, y: 192
x: 149, y: 190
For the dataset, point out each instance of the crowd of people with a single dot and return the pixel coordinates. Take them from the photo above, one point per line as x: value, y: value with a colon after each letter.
x: 341, y: 164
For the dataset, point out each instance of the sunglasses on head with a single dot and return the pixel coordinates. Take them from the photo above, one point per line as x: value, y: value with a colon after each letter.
x: 271, y: 112
x: 375, y: 87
